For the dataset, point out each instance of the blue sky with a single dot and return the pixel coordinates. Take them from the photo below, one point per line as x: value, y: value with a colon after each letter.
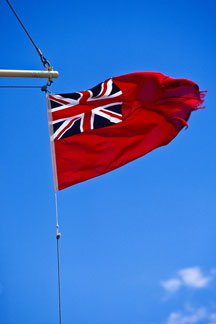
x: 138, y: 244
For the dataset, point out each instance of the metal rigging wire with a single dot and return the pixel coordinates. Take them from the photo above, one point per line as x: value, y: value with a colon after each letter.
x: 45, y: 62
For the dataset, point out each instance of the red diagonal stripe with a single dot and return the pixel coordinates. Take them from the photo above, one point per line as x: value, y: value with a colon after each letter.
x: 65, y: 129
x: 111, y: 114
x: 104, y: 89
x: 59, y: 100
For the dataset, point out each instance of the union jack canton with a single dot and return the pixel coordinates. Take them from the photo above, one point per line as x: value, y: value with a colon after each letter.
x: 78, y: 112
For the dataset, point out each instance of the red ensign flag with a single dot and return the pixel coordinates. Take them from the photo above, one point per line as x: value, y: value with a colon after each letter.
x: 98, y: 130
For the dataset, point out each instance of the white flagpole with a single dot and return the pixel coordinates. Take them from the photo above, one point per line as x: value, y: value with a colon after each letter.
x: 29, y: 74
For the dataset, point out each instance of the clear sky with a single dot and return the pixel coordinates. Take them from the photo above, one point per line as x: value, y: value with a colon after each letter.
x: 138, y: 244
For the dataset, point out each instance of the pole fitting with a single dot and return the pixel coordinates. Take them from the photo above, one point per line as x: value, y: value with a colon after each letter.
x: 58, y: 235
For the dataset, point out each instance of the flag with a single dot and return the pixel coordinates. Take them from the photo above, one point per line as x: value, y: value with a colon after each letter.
x: 119, y: 120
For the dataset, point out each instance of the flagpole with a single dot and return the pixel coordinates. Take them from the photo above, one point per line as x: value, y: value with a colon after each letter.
x: 49, y: 74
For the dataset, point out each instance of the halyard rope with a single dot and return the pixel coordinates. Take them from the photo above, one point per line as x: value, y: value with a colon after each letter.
x: 58, y: 235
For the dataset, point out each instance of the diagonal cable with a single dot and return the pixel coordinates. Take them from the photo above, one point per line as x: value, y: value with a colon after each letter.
x: 45, y: 62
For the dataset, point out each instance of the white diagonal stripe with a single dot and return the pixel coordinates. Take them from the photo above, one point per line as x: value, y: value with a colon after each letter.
x: 68, y: 128
x: 63, y: 107
x: 106, y: 106
x: 60, y: 129
x: 67, y: 118
x: 105, y: 97
x: 69, y: 100
x: 109, y: 88
x: 111, y: 118
x: 102, y: 87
